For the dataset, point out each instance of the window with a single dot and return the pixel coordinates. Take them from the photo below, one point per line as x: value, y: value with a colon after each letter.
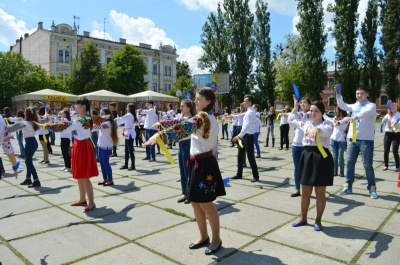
x: 155, y: 86
x: 165, y: 70
x: 331, y: 82
x: 383, y: 100
x: 60, y: 56
x: 108, y: 59
x: 331, y: 101
x: 155, y: 69
x: 165, y: 87
x: 169, y: 87
x: 67, y: 58
x: 169, y: 70
x: 385, y: 80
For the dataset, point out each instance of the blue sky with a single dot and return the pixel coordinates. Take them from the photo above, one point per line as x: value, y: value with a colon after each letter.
x: 173, y: 22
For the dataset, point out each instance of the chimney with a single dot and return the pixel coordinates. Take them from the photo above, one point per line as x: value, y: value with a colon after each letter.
x: 26, y: 35
x: 122, y: 40
x: 86, y: 33
x: 53, y: 27
x: 40, y: 25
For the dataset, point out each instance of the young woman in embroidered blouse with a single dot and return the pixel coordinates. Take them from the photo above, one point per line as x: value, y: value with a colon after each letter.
x: 129, y: 119
x: 5, y: 141
x: 392, y: 136
x: 338, y: 141
x: 84, y: 164
x: 316, y: 163
x: 108, y: 137
x: 205, y: 182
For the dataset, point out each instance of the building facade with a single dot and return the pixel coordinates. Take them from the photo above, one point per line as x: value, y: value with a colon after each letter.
x: 55, y: 49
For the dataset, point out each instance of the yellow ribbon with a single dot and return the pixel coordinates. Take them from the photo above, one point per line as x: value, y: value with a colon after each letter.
x: 164, y: 149
x: 44, y: 135
x: 277, y: 117
x: 91, y: 140
x: 354, y: 138
x: 319, y: 145
x: 240, y: 142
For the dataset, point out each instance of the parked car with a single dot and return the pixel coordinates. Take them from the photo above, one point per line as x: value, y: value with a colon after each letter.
x: 330, y: 113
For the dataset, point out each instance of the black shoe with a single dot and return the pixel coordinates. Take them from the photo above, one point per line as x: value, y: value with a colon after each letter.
x: 41, y: 162
x: 113, y: 155
x: 146, y: 158
x: 295, y: 195
x: 35, y: 184
x: 244, y: 165
x: 212, y: 251
x: 132, y: 168
x: 26, y: 182
x: 46, y: 162
x: 254, y: 180
x: 199, y: 245
x: 236, y: 177
x: 124, y: 167
x: 181, y: 199
x: 186, y: 201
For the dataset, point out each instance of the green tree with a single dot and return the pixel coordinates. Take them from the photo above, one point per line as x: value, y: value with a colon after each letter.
x: 183, y: 69
x: 241, y: 45
x: 370, y: 72
x: 183, y: 83
x: 345, y: 18
x: 390, y: 40
x: 265, y: 72
x: 126, y: 70
x: 87, y: 72
x: 312, y: 47
x: 215, y: 46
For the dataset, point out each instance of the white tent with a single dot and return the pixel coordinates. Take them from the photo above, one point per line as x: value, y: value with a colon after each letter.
x: 105, y: 95
x: 151, y: 95
x: 45, y: 95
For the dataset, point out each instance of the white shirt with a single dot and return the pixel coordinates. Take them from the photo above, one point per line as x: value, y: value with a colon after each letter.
x: 249, y: 122
x: 284, y: 119
x: 298, y: 134
x: 325, y: 130
x: 238, y: 119
x: 258, y: 123
x: 129, y: 122
x: 151, y: 118
x: 366, y: 117
x: 199, y: 145
x: 105, y: 140
x: 42, y: 120
x: 28, y: 131
x: 339, y: 134
x: 171, y: 114
x: 390, y: 120
x: 80, y: 132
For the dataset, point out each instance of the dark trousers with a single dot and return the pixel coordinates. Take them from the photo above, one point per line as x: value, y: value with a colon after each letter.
x: 95, y: 138
x: 284, y: 135
x: 48, y: 144
x: 150, y: 150
x: 31, y: 145
x: 183, y: 157
x: 65, y: 143
x: 114, y: 150
x: 129, y: 151
x: 20, y: 139
x: 138, y: 138
x: 225, y: 130
x: 52, y: 137
x: 393, y: 139
x: 248, y: 148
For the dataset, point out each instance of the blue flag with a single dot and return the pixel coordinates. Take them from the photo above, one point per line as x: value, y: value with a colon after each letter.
x: 244, y: 93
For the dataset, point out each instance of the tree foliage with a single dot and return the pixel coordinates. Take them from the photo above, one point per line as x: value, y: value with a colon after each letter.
x: 125, y: 72
x: 87, y: 71
x: 345, y: 18
x: 390, y: 40
x: 312, y: 47
x: 183, y: 69
x: 183, y: 83
x: 370, y: 72
x: 265, y: 72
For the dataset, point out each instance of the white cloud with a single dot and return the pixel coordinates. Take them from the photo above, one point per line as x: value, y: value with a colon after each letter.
x: 100, y: 35
x: 192, y: 55
x: 11, y: 29
x: 139, y: 30
x: 210, y: 5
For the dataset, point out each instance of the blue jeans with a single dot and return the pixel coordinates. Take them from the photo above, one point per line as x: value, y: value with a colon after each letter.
x: 366, y: 147
x: 104, y: 159
x: 225, y: 129
x: 256, y: 135
x: 20, y: 139
x: 52, y: 137
x: 95, y: 138
x: 150, y: 150
x: 31, y: 145
x: 183, y: 157
x: 296, y: 153
x: 337, y: 154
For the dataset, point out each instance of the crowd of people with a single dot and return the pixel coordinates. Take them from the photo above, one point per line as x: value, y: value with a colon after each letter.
x: 90, y: 136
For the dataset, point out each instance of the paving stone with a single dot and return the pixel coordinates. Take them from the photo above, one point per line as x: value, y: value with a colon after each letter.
x: 239, y: 192
x: 127, y: 254
x: 32, y: 222
x: 384, y: 249
x: 65, y: 244
x: 8, y: 257
x: 339, y: 242
x: 392, y: 226
x: 8, y: 192
x: 21, y: 204
x: 152, y: 193
x: 264, y: 252
x: 185, y: 234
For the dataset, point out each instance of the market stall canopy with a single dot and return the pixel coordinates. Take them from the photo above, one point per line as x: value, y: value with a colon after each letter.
x: 155, y: 96
x: 46, y: 95
x: 105, y: 95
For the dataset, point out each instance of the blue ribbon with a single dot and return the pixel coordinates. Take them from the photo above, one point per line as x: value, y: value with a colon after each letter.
x: 382, y: 124
x: 296, y: 92
x: 339, y: 89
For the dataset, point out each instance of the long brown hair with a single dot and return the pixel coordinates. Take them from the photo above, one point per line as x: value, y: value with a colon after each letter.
x: 188, y: 103
x: 114, y: 133
x: 32, y: 117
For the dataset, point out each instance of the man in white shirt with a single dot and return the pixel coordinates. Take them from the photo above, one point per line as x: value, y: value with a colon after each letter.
x: 246, y: 136
x: 151, y: 119
x: 363, y: 117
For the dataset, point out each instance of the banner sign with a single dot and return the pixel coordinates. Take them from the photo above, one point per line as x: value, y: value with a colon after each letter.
x: 56, y: 98
x: 219, y: 82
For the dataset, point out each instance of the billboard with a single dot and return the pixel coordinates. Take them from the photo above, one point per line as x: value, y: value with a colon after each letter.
x: 218, y: 82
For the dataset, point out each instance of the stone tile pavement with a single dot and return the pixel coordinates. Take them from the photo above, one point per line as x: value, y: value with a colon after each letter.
x: 137, y: 221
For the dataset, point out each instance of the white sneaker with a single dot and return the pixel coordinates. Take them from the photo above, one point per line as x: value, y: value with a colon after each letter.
x: 67, y: 170
x: 63, y: 169
x: 372, y: 192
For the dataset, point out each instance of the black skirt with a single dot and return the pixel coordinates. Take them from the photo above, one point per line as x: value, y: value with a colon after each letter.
x: 314, y: 170
x: 205, y: 183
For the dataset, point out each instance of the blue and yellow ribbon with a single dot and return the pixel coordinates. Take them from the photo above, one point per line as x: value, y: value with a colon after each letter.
x: 320, y: 146
x: 164, y: 149
x: 278, y: 116
x: 354, y: 139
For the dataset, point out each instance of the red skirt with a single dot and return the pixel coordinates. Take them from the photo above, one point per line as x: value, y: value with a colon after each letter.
x: 398, y: 180
x: 84, y: 163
